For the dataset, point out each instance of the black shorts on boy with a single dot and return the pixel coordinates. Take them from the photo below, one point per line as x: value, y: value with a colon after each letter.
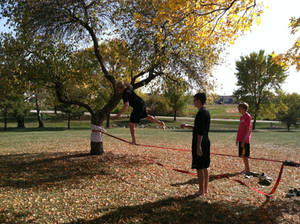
x: 138, y: 113
x: 244, y: 151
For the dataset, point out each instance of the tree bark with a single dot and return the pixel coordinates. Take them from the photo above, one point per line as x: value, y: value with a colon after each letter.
x: 21, y: 122
x: 69, y: 120
x: 5, y: 119
x: 96, y: 135
x: 108, y: 120
x: 97, y: 148
x: 38, y: 112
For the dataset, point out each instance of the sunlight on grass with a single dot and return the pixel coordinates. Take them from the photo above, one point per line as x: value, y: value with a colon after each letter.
x: 48, y: 176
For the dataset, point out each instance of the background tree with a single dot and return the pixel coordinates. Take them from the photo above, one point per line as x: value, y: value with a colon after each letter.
x: 259, y: 77
x: 182, y: 36
x: 15, y: 98
x: 157, y: 104
x: 175, y: 93
x: 290, y: 113
x: 72, y: 111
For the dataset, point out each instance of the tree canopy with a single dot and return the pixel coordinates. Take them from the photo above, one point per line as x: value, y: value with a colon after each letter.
x: 158, y: 37
x: 292, y: 56
x: 259, y: 77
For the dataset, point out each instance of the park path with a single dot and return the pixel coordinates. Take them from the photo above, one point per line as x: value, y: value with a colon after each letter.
x: 167, y: 117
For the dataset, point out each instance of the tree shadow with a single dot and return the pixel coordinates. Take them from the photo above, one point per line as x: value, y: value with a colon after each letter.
x: 58, y: 169
x: 189, y: 209
x: 34, y: 129
x: 211, y: 130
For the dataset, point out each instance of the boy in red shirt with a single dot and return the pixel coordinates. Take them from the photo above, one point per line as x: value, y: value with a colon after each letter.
x: 244, y: 135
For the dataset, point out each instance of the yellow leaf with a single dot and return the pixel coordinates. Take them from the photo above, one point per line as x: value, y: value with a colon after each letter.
x: 258, y: 20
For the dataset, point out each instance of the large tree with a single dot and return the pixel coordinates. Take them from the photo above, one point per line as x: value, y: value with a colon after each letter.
x: 186, y: 36
x: 13, y: 84
x: 289, y: 114
x: 258, y: 79
x: 175, y: 92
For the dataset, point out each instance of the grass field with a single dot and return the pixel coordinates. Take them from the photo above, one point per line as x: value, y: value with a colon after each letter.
x: 48, y: 176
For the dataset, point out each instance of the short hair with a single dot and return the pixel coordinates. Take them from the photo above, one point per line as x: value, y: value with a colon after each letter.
x: 201, y: 97
x: 122, y: 85
x: 244, y: 105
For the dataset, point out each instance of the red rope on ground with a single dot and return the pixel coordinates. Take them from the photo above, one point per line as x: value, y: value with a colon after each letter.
x: 259, y: 191
x: 224, y: 175
x: 185, y: 150
x: 194, y: 174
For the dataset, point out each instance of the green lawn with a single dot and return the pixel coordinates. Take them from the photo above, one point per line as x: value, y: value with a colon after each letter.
x: 48, y: 176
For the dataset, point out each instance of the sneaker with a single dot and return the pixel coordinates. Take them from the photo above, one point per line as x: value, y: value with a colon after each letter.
x: 254, y: 174
x: 292, y: 193
x: 248, y: 174
x: 264, y: 179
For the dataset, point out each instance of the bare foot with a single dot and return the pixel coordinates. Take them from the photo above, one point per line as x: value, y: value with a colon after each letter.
x: 198, y: 194
x: 163, y: 125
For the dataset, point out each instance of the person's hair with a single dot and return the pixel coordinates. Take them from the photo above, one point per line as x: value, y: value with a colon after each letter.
x: 244, y: 105
x: 201, y: 97
x: 122, y: 85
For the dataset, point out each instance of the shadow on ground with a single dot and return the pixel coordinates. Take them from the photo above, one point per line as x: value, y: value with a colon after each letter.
x: 196, y: 210
x: 34, y: 169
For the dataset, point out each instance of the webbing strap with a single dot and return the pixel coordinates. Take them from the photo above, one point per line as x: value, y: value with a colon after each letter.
x: 185, y: 150
x: 221, y: 175
x: 224, y: 175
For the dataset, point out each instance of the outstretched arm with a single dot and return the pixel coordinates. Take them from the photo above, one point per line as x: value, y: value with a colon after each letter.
x: 187, y: 126
x: 125, y: 107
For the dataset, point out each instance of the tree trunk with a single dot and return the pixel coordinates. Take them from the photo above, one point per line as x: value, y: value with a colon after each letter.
x: 21, y: 122
x: 108, y: 120
x: 69, y: 120
x: 97, y: 148
x: 38, y: 113
x: 254, y: 122
x: 288, y: 126
x: 5, y: 119
x: 175, y: 115
x: 96, y: 135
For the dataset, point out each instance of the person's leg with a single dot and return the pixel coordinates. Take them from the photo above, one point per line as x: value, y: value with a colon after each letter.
x: 132, y: 132
x: 242, y: 155
x: 205, y: 171
x: 201, y: 181
x: 153, y: 119
x: 246, y: 163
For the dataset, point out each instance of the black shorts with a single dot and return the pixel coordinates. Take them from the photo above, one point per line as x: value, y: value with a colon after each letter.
x: 201, y: 162
x: 244, y: 152
x: 138, y: 113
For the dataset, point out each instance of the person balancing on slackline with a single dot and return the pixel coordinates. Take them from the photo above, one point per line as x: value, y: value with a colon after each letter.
x: 139, y: 108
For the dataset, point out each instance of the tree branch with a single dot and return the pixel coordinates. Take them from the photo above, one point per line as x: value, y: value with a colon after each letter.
x: 62, y: 98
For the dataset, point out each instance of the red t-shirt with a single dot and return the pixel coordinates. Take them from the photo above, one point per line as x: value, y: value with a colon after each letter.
x: 245, y: 122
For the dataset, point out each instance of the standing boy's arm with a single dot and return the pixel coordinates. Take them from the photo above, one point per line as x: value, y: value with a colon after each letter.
x: 199, y: 142
x: 236, y: 140
x: 245, y: 136
x: 187, y: 126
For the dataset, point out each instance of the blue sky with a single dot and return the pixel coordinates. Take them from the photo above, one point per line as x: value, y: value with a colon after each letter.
x: 273, y: 34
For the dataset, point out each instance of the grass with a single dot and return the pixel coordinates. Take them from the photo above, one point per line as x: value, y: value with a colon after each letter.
x: 48, y: 176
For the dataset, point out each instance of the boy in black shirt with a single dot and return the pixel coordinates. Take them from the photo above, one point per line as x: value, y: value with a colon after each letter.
x: 200, y: 143
x: 139, y: 108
